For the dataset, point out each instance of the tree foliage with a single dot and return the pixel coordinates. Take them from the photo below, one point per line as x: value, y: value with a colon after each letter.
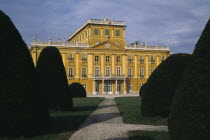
x: 22, y: 109
x: 190, y: 116
x: 53, y: 79
x: 77, y: 90
x: 158, y: 92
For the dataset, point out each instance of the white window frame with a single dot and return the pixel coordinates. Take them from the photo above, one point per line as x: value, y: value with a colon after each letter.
x: 118, y: 71
x: 96, y: 58
x: 141, y: 71
x: 84, y: 85
x: 107, y: 58
x: 130, y: 87
x: 118, y: 59
x: 108, y: 71
x: 97, y: 71
x: 129, y: 72
x: 70, y: 73
x: 84, y: 75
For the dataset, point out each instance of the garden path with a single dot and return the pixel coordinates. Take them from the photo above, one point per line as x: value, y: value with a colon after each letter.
x: 105, y: 123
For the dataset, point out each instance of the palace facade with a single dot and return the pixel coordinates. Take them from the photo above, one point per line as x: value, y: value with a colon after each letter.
x: 96, y: 55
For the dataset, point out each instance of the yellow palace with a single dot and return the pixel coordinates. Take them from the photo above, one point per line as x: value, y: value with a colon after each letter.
x: 96, y: 55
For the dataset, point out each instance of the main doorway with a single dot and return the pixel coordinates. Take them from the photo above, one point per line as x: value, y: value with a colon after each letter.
x: 108, y: 87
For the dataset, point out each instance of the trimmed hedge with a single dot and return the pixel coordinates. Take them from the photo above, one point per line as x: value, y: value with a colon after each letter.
x: 53, y: 80
x: 23, y: 111
x: 158, y: 92
x: 189, y: 118
x: 77, y: 90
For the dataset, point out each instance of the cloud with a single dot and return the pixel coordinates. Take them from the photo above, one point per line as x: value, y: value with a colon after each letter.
x: 176, y: 22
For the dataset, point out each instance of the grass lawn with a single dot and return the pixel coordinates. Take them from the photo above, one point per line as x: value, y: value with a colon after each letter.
x: 148, y: 135
x: 130, y: 110
x: 64, y: 124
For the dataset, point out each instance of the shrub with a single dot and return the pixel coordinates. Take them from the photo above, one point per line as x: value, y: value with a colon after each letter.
x: 189, y: 118
x: 158, y: 92
x: 77, y: 90
x: 52, y: 76
x: 22, y: 109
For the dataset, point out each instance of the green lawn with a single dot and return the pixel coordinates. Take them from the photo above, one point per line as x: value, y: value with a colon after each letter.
x: 63, y: 124
x: 130, y: 110
x: 148, y: 135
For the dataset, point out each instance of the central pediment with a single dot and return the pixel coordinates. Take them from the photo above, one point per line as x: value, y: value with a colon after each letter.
x: 108, y: 45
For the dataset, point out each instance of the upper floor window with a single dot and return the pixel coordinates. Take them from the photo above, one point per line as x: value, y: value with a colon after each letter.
x: 118, y: 58
x: 118, y: 71
x: 163, y: 58
x: 107, y: 58
x: 130, y: 87
x: 97, y: 71
x: 96, y: 58
x: 141, y: 59
x: 84, y: 57
x: 84, y: 73
x: 141, y: 72
x: 96, y: 31
x: 129, y: 58
x: 117, y: 32
x: 129, y: 72
x: 70, y: 74
x: 152, y: 70
x: 107, y: 71
x: 70, y: 57
x: 106, y: 31
x: 152, y: 60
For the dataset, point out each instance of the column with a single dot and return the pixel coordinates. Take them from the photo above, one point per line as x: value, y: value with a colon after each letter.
x: 113, y: 64
x: 147, y: 67
x: 116, y: 92
x: 135, y: 67
x: 64, y: 59
x: 77, y: 66
x: 102, y: 87
x: 158, y: 60
x: 102, y: 65
x: 112, y: 32
x: 94, y: 82
x: 34, y: 57
x: 125, y: 92
x: 90, y: 65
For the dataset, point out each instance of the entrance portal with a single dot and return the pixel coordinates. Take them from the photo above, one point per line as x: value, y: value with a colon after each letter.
x: 108, y: 88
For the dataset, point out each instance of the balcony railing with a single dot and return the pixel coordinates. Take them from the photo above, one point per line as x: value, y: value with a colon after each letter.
x: 70, y: 76
x: 141, y: 60
x: 58, y: 44
x: 152, y: 61
x: 84, y: 59
x: 108, y: 76
x: 71, y: 59
x: 142, y: 47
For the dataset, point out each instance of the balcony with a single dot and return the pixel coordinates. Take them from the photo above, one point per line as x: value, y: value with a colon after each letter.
x: 84, y: 59
x: 71, y: 59
x: 71, y: 76
x: 152, y: 61
x: 108, y: 77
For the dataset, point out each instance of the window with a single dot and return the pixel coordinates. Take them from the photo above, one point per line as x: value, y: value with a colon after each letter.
x: 96, y: 87
x: 84, y: 73
x: 96, y: 58
x: 129, y: 58
x: 141, y: 59
x: 84, y: 85
x: 70, y: 73
x: 152, y: 60
x: 152, y: 70
x: 118, y: 71
x: 97, y: 72
x: 129, y: 72
x: 130, y: 87
x: 96, y: 31
x: 71, y: 57
x: 107, y: 71
x: 141, y: 84
x: 106, y: 31
x: 118, y: 59
x: 117, y: 32
x: 118, y: 87
x: 163, y: 58
x: 107, y: 58
x: 141, y: 72
x: 84, y: 57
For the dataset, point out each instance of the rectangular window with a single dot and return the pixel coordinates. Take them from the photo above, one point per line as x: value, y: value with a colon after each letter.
x: 118, y: 71
x: 107, y: 71
x: 96, y: 87
x: 141, y: 73
x: 96, y: 31
x: 106, y: 31
x: 84, y: 85
x: 129, y: 72
x: 70, y: 75
x: 96, y: 58
x: 118, y: 58
x: 130, y: 87
x: 71, y: 57
x: 118, y: 87
x: 84, y: 73
x: 84, y: 57
x: 117, y: 32
x: 107, y: 58
x: 97, y: 72
x: 141, y: 59
x: 152, y: 60
x: 152, y: 70
x: 163, y: 58
x: 129, y: 58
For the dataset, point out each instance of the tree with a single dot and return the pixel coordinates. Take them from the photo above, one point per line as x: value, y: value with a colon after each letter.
x: 77, y: 90
x: 189, y: 118
x: 22, y: 108
x: 158, y: 92
x: 52, y: 76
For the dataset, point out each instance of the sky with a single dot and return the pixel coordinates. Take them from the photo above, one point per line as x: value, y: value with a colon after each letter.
x: 174, y: 23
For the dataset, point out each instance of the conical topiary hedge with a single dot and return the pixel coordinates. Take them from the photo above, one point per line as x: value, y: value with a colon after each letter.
x: 158, y: 92
x: 22, y: 109
x: 190, y: 113
x: 77, y: 90
x: 52, y: 76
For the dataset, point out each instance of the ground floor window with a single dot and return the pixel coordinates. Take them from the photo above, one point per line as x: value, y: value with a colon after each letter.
x: 84, y: 85
x: 130, y: 87
x: 97, y: 87
x: 108, y: 87
x: 118, y: 87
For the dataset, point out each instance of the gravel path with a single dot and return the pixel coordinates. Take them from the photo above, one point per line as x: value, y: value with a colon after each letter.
x: 105, y: 123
